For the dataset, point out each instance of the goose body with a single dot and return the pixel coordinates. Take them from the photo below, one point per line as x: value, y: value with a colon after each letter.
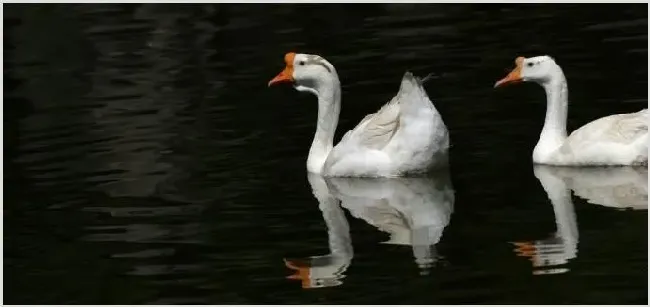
x: 406, y: 136
x: 620, y: 139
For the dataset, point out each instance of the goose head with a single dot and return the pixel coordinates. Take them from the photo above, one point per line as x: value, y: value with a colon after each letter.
x: 539, y: 69
x: 307, y: 72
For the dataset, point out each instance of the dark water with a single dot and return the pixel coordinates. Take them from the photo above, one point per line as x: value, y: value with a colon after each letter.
x: 146, y: 161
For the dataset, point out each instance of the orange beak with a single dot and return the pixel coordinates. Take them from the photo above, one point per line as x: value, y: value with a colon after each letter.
x: 285, y: 75
x: 514, y: 76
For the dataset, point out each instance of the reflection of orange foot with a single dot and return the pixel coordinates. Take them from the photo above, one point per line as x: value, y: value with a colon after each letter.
x: 525, y: 249
x: 302, y: 272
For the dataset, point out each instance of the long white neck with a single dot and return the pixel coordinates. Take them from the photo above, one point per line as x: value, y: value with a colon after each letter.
x: 554, y: 131
x: 329, y: 107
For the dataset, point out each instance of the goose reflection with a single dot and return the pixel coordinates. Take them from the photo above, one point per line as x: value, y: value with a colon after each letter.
x: 617, y: 187
x: 413, y: 211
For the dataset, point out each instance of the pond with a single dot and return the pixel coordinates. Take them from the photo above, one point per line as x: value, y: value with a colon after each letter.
x: 147, y: 161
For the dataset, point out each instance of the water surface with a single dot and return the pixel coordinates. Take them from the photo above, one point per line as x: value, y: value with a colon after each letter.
x: 146, y: 161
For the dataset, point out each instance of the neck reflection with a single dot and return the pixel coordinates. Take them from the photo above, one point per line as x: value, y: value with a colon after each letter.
x: 615, y: 187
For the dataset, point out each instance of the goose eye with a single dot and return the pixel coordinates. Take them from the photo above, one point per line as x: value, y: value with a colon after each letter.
x: 530, y: 64
x: 301, y: 63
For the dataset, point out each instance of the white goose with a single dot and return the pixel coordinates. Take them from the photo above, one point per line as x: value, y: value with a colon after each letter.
x: 620, y: 139
x: 406, y: 136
